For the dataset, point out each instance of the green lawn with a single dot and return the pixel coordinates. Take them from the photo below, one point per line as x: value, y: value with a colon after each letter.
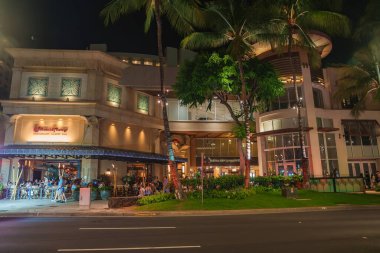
x: 266, y: 200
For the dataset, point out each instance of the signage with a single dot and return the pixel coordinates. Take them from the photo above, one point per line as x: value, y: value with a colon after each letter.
x: 223, y: 161
x: 49, y: 129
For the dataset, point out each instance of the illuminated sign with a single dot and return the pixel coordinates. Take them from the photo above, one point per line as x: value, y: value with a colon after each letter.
x: 49, y: 129
x: 53, y: 130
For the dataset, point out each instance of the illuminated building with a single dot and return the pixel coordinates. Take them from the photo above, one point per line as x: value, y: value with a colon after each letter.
x: 90, y: 109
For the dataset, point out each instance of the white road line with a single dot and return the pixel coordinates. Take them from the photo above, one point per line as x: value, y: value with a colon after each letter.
x: 127, y: 228
x: 132, y: 248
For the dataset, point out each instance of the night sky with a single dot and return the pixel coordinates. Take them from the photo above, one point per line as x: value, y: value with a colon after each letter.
x: 74, y: 24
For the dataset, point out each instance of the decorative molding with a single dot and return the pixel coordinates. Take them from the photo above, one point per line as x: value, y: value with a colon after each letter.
x: 71, y: 87
x: 38, y: 86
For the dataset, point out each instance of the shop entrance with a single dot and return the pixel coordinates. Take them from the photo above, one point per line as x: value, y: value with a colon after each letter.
x: 286, y: 168
x: 35, y: 170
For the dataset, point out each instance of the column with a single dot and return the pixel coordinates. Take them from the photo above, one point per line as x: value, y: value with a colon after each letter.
x: 89, y: 169
x: 309, y: 115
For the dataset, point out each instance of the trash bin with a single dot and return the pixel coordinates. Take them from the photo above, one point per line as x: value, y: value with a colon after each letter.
x: 84, y: 196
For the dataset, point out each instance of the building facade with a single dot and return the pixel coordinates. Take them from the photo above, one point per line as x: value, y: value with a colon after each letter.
x: 333, y: 139
x: 90, y: 111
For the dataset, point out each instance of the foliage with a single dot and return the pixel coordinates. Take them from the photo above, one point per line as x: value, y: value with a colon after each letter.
x: 226, y: 182
x: 377, y: 188
x: 237, y: 193
x: 105, y: 188
x: 359, y: 79
x: 276, y: 181
x: 161, y: 197
x: 263, y: 189
x: 211, y: 76
x: 1, y: 186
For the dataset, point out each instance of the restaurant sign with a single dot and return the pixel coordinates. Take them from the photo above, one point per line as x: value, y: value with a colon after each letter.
x: 222, y: 161
x: 31, y: 129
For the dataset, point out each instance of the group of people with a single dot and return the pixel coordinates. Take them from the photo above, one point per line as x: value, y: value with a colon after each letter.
x: 371, y: 181
x: 153, y: 187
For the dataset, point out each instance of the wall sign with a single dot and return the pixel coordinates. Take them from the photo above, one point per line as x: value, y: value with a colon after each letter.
x: 51, y: 129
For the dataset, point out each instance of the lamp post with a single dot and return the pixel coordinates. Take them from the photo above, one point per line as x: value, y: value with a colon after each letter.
x: 114, y: 179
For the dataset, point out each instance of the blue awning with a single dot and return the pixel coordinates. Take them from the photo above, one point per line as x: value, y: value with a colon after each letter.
x: 90, y: 152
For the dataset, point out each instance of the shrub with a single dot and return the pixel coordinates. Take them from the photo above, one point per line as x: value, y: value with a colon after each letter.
x: 238, y: 193
x: 262, y: 189
x: 227, y: 182
x: 161, y: 197
x: 277, y: 181
x: 105, y: 188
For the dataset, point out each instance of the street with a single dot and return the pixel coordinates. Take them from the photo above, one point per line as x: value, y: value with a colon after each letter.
x: 324, y: 231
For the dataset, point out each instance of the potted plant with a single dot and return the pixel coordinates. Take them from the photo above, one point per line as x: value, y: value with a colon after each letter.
x: 1, y: 190
x: 94, y: 193
x: 75, y: 193
x: 105, y: 192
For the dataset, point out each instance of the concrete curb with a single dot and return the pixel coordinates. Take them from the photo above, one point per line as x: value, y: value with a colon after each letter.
x: 123, y: 213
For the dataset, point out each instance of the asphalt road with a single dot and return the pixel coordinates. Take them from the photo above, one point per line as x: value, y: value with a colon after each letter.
x: 325, y: 231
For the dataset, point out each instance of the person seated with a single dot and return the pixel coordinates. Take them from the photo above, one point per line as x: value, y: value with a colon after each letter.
x: 141, y: 192
x: 148, y: 190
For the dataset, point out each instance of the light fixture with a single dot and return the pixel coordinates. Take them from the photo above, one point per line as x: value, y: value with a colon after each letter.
x: 108, y: 172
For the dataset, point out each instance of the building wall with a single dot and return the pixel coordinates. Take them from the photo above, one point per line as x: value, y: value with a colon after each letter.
x: 334, y: 155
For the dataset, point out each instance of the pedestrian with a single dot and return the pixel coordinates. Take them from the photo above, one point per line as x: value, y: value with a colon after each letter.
x: 165, y: 185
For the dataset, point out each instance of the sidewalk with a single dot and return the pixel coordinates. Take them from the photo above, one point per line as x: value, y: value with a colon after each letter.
x: 47, y: 208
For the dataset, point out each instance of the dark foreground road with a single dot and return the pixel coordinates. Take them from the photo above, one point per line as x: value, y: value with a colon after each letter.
x: 333, y: 231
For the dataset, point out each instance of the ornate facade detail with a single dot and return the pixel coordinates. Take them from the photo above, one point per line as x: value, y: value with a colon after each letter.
x: 38, y: 86
x: 71, y: 87
x: 113, y: 93
x: 143, y: 102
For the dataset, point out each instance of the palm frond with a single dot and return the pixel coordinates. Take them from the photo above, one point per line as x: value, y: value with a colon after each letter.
x: 149, y: 14
x: 331, y: 23
x: 199, y: 40
x: 185, y: 15
x: 116, y: 8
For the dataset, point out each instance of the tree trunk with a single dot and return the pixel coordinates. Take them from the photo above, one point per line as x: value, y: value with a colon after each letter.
x: 305, y: 177
x: 246, y: 124
x: 173, y: 169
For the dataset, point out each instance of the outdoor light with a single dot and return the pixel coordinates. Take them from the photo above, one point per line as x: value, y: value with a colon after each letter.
x: 108, y: 172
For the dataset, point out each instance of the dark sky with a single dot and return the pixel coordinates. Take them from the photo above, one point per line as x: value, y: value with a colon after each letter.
x: 74, y: 24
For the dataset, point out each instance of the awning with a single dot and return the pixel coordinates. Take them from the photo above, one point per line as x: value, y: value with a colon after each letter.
x: 76, y: 152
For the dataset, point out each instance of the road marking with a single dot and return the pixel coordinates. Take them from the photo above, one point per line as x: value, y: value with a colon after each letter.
x: 127, y: 228
x: 132, y: 248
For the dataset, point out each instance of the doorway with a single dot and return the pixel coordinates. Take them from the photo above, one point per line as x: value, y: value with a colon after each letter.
x: 286, y: 168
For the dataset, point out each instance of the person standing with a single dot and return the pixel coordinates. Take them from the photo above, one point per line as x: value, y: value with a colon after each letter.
x: 165, y: 185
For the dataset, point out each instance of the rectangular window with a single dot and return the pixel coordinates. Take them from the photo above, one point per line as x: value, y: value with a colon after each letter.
x: 71, y: 87
x: 113, y: 93
x: 350, y: 170
x: 38, y: 86
x: 143, y: 103
x: 318, y: 98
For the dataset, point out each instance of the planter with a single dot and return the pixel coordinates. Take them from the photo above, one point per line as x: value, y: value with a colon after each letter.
x: 75, y: 195
x: 104, y: 195
x: 289, y: 192
x: 93, y: 195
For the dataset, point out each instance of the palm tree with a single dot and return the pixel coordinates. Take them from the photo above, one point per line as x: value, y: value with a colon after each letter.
x: 180, y: 14
x: 361, y: 77
x: 292, y: 22
x: 230, y: 24
x: 360, y: 80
